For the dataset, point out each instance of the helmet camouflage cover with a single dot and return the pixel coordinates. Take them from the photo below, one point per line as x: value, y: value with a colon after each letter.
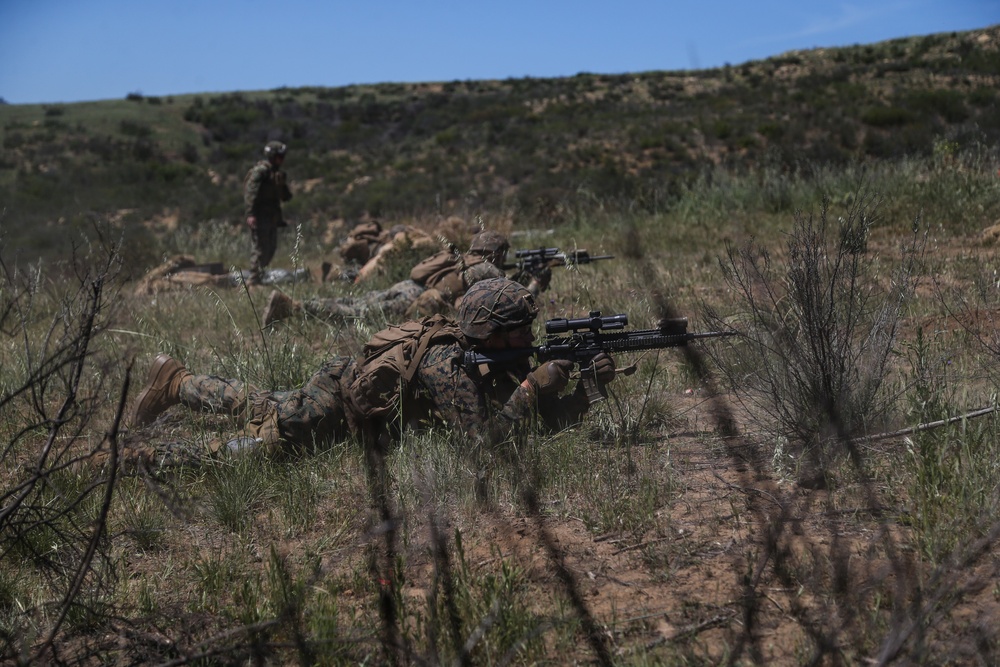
x: 497, y: 304
x: 488, y: 242
x: 274, y: 148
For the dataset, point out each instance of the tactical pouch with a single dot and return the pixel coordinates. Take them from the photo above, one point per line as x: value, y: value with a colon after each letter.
x: 392, y: 358
x: 263, y: 422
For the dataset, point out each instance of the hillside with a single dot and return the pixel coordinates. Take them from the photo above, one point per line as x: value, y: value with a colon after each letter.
x: 818, y: 486
x: 532, y: 146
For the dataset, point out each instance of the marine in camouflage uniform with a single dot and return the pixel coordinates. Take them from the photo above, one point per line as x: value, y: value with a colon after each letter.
x: 407, y: 298
x: 265, y: 187
x: 400, y: 239
x: 483, y: 405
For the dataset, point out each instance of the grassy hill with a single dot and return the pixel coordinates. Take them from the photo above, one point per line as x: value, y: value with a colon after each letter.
x: 820, y: 489
x: 534, y: 147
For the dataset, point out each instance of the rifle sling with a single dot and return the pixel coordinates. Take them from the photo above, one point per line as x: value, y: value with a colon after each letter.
x: 425, y: 341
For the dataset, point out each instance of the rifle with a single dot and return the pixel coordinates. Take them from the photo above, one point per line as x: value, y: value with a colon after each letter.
x: 532, y: 260
x: 585, y: 339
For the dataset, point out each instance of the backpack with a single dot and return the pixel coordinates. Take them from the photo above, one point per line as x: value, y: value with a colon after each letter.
x: 443, y: 272
x: 391, y: 359
x: 362, y: 241
x: 368, y: 231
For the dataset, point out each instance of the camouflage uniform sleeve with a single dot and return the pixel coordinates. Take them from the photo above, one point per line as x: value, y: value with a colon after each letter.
x: 447, y: 392
x: 281, y: 180
x: 251, y: 186
x: 481, y: 271
x: 536, y: 281
x: 489, y: 409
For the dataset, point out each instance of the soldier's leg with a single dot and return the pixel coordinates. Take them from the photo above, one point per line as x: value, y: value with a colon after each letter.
x: 355, y: 251
x: 269, y: 244
x: 208, y: 393
x: 265, y: 242
x: 257, y: 261
x: 334, y: 310
x: 169, y: 383
x: 162, y: 390
x: 395, y: 300
x: 314, y: 414
x: 430, y: 302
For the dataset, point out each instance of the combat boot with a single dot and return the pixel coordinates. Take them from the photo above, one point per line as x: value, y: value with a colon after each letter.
x: 280, y: 306
x: 162, y: 390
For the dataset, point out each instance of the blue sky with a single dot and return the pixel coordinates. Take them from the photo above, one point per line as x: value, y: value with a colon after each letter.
x: 75, y: 50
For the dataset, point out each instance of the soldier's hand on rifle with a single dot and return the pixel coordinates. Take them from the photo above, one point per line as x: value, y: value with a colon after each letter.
x: 543, y: 276
x: 551, y: 377
x: 604, y: 368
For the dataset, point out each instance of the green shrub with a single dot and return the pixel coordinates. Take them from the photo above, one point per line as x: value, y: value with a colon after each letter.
x: 131, y: 128
x: 886, y: 116
x: 950, y: 104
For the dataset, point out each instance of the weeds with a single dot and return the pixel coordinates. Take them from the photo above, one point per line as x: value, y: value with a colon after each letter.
x: 51, y: 515
x: 650, y: 533
x: 818, y: 338
x: 237, y: 491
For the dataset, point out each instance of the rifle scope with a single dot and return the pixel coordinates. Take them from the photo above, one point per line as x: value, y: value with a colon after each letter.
x: 539, y: 252
x: 595, y: 322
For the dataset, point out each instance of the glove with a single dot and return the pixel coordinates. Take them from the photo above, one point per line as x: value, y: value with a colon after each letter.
x: 551, y: 377
x: 544, y: 276
x: 604, y: 368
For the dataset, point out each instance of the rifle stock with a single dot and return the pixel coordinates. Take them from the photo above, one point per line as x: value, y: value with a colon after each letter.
x: 587, y: 338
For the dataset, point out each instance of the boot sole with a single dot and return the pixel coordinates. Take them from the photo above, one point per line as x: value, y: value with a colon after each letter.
x: 154, y: 372
x: 274, y: 313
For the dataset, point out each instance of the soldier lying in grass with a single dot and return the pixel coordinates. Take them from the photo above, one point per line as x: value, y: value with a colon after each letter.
x: 485, y: 404
x: 434, y: 286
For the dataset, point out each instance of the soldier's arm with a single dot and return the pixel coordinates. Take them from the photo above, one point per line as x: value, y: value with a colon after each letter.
x: 481, y: 271
x: 559, y: 412
x: 251, y: 187
x: 554, y: 413
x: 461, y: 404
x: 536, y: 281
x: 281, y: 180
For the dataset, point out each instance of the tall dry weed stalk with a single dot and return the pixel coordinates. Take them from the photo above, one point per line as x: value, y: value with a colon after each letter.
x: 53, y: 517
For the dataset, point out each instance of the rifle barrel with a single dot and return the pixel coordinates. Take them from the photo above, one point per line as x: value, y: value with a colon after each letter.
x: 585, y: 259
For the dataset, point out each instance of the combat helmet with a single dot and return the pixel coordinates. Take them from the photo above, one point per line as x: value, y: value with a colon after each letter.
x: 273, y: 148
x: 489, y: 242
x: 496, y: 304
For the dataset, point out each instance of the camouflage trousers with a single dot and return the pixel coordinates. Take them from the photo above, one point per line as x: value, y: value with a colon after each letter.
x: 401, y: 300
x: 265, y: 243
x: 312, y: 415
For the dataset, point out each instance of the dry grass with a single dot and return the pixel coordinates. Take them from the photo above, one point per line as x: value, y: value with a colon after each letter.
x: 669, y: 528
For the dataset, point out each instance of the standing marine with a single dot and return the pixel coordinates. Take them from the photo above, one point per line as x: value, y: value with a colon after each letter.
x: 265, y: 187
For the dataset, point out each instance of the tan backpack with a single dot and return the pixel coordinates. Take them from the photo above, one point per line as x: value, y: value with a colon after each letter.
x: 443, y: 272
x: 391, y: 359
